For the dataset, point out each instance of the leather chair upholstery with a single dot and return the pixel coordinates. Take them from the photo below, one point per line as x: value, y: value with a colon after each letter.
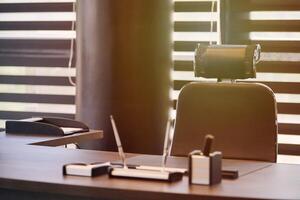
x: 226, y: 61
x: 241, y: 116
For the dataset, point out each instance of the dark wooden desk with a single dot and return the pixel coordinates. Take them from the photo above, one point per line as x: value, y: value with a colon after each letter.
x: 35, y: 172
x: 46, y: 140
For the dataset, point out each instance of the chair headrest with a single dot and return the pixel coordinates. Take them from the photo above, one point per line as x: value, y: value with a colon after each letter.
x: 226, y: 61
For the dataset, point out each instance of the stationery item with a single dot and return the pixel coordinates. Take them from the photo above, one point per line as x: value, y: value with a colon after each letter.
x: 135, y: 172
x: 207, y: 144
x: 180, y: 164
x: 118, y: 141
x: 226, y: 174
x: 205, y: 167
x: 145, y: 174
x: 205, y: 170
x: 82, y: 169
x: 230, y: 174
x: 52, y: 126
x: 167, y: 145
x: 158, y: 168
x: 152, y: 168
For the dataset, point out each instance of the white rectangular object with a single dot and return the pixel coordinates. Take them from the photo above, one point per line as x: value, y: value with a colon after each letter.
x: 200, y: 170
x: 86, y: 169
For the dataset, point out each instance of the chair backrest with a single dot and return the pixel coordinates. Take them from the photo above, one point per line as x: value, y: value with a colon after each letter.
x: 241, y: 116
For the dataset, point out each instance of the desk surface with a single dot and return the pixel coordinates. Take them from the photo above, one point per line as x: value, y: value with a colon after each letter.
x: 39, y: 169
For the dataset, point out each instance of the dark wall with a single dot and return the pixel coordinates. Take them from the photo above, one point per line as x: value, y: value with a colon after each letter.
x: 123, y: 68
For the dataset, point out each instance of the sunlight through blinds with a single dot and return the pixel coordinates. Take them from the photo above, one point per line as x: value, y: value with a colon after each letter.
x: 35, y: 43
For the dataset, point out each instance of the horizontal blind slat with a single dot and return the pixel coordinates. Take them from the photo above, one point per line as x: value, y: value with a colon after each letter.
x: 191, y: 6
x: 34, y: 80
x: 35, y: 1
x: 23, y: 115
x: 9, y: 60
x: 278, y: 46
x: 181, y: 65
x: 193, y: 26
x: 283, y: 87
x: 289, y: 149
x: 287, y: 5
x: 291, y: 129
x: 289, y: 108
x: 188, y: 45
x: 34, y: 44
x: 35, y: 25
x: 35, y: 52
x: 280, y: 67
x: 36, y: 7
x: 273, y: 25
x: 37, y: 98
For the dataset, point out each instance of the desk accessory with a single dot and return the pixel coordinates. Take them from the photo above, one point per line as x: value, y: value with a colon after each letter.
x: 152, y: 168
x: 83, y: 169
x: 118, y: 141
x: 205, y: 167
x: 158, y: 168
x: 230, y: 174
x: 167, y: 144
x: 133, y: 172
x: 144, y: 174
x: 166, y: 153
x: 207, y: 144
x: 45, y: 126
x: 226, y: 174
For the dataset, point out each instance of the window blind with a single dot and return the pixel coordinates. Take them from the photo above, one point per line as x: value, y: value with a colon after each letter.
x: 274, y: 24
x: 35, y: 42
x: 195, y: 21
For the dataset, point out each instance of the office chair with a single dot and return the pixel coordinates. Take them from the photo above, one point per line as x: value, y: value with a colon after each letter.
x: 241, y: 116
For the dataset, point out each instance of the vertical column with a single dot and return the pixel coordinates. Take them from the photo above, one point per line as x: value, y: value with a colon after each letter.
x: 123, y: 68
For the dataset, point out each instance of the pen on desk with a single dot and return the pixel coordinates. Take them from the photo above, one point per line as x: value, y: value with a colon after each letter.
x: 207, y: 144
x: 118, y: 141
x: 166, y: 145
